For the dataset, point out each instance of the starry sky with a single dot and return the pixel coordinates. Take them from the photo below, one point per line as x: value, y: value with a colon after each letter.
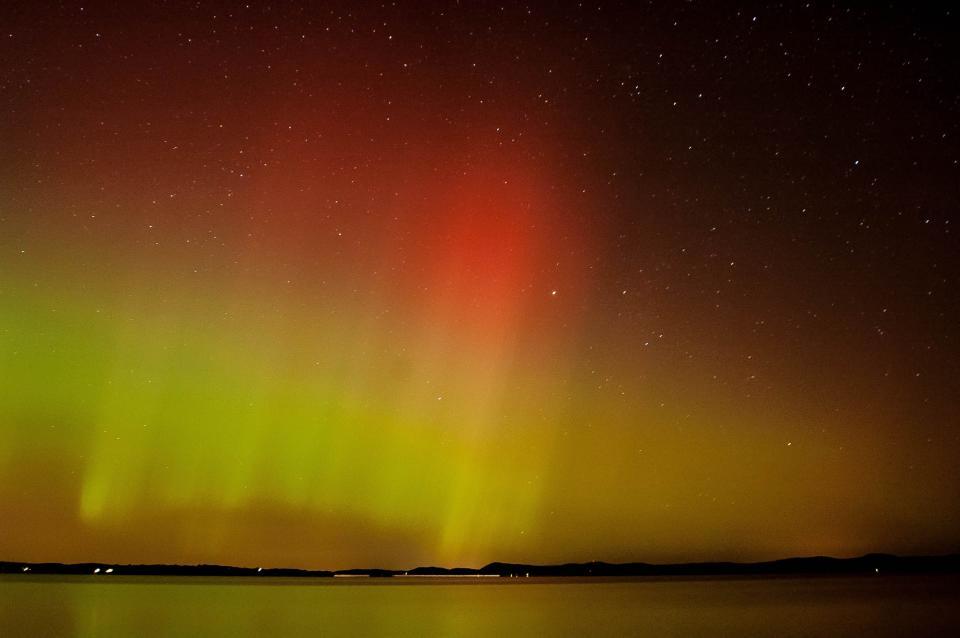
x: 385, y: 284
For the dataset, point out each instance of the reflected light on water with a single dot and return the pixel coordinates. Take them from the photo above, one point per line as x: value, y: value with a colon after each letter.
x: 81, y: 606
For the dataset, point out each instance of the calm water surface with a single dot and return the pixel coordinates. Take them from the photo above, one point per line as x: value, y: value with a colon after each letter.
x: 212, y: 607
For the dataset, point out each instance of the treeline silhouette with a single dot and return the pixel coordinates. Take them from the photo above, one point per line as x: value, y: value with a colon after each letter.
x: 870, y: 563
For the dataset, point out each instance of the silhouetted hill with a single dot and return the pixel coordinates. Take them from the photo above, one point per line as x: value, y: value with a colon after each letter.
x: 875, y: 563
x: 871, y: 563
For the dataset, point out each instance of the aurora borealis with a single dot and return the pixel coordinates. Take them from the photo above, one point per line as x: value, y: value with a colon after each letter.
x: 388, y: 284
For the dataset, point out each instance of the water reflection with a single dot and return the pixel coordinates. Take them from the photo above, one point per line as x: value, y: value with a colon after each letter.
x: 138, y: 606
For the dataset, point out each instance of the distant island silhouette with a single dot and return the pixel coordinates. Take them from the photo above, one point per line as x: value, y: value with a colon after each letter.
x: 815, y: 565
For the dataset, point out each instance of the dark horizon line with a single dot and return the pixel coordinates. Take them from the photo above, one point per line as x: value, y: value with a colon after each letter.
x: 868, y: 563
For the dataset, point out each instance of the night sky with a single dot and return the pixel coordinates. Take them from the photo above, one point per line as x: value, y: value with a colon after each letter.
x: 357, y: 284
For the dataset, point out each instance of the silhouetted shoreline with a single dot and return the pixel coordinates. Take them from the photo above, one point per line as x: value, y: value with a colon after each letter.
x: 816, y: 565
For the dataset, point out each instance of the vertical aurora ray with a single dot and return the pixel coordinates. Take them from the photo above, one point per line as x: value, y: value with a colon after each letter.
x: 378, y: 399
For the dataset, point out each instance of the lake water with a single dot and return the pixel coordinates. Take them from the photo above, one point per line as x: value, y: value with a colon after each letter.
x: 211, y: 607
